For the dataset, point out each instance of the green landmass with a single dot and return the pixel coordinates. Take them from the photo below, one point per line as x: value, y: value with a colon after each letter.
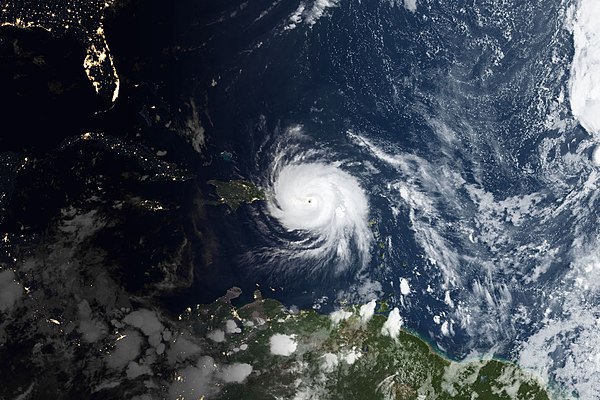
x: 347, y: 358
x: 234, y: 193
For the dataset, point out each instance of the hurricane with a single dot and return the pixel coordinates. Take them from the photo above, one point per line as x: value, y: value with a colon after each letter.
x: 317, y: 214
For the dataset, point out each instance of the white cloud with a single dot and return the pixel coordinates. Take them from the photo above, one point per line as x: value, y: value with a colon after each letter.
x: 310, y: 15
x: 10, y: 290
x: 404, y: 286
x: 194, y: 382
x: 339, y: 316
x: 237, y: 372
x: 181, y: 349
x: 126, y: 349
x: 366, y: 311
x: 330, y: 362
x: 134, y: 370
x: 282, y: 345
x: 351, y: 356
x: 410, y: 5
x: 318, y: 9
x: 92, y: 330
x: 392, y: 325
x: 596, y: 155
x: 145, y: 320
x: 216, y: 336
x: 231, y: 327
x: 585, y: 68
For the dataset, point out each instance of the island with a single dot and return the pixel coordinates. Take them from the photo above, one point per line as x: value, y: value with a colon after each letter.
x: 236, y: 192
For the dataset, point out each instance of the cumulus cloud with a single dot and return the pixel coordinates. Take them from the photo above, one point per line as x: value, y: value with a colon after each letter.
x: 216, y: 336
x: 194, y: 382
x: 10, y: 290
x: 393, y: 324
x: 339, y: 316
x: 410, y: 5
x: 282, y: 345
x: 237, y: 372
x: 404, y: 286
x: 181, y: 349
x: 330, y: 362
x: 145, y: 320
x: 366, y: 311
x: 127, y: 348
x: 585, y: 68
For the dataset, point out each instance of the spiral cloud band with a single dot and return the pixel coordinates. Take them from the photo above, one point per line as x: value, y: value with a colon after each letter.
x: 328, y: 211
